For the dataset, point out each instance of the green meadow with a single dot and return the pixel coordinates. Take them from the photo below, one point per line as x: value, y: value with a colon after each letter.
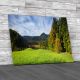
x: 40, y: 56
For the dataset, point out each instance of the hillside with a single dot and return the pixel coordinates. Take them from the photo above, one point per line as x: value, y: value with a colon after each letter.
x: 42, y: 37
x: 19, y: 42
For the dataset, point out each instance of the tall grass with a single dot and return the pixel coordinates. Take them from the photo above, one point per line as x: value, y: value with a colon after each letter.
x: 39, y: 56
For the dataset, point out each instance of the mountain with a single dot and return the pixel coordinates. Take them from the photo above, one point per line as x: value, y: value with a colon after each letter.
x: 19, y: 42
x: 42, y: 37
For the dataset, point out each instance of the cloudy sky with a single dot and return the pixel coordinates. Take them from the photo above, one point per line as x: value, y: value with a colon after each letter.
x: 30, y: 25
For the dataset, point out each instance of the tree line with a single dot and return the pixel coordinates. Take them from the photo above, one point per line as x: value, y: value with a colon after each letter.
x: 58, y: 39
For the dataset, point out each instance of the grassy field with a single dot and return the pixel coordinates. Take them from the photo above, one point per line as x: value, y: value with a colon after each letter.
x: 39, y: 56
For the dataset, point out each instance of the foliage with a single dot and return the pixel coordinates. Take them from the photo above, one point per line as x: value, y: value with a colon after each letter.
x: 44, y: 44
x: 58, y: 47
x: 39, y: 56
x: 17, y: 42
x: 59, y: 36
x: 52, y: 35
x: 65, y: 34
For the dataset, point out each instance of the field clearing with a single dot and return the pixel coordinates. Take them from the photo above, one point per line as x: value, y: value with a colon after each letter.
x: 39, y: 56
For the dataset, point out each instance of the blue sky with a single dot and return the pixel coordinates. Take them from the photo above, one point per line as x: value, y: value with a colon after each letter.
x: 30, y: 25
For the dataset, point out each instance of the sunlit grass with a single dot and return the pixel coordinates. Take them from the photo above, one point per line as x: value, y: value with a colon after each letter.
x: 39, y: 56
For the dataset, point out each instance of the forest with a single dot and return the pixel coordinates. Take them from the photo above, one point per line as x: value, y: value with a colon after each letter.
x: 57, y: 40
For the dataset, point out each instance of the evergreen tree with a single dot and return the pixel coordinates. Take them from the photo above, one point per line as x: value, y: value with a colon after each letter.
x: 58, y: 47
x: 52, y: 35
x: 17, y: 41
x: 64, y: 35
x: 58, y: 39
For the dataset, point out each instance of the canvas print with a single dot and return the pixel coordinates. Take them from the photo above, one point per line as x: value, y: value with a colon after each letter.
x: 39, y: 39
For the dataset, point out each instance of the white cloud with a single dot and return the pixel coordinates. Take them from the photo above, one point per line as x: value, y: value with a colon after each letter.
x: 30, y: 25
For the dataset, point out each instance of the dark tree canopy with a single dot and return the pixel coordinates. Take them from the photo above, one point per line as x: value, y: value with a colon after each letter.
x: 17, y: 41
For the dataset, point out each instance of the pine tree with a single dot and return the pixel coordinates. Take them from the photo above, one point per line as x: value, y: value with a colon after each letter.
x: 58, y: 47
x: 64, y: 35
x: 52, y: 35
x: 59, y: 40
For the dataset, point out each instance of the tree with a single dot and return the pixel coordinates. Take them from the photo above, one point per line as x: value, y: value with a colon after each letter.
x: 43, y: 44
x: 58, y: 39
x: 17, y: 41
x: 64, y: 35
x: 58, y: 47
x: 52, y: 35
